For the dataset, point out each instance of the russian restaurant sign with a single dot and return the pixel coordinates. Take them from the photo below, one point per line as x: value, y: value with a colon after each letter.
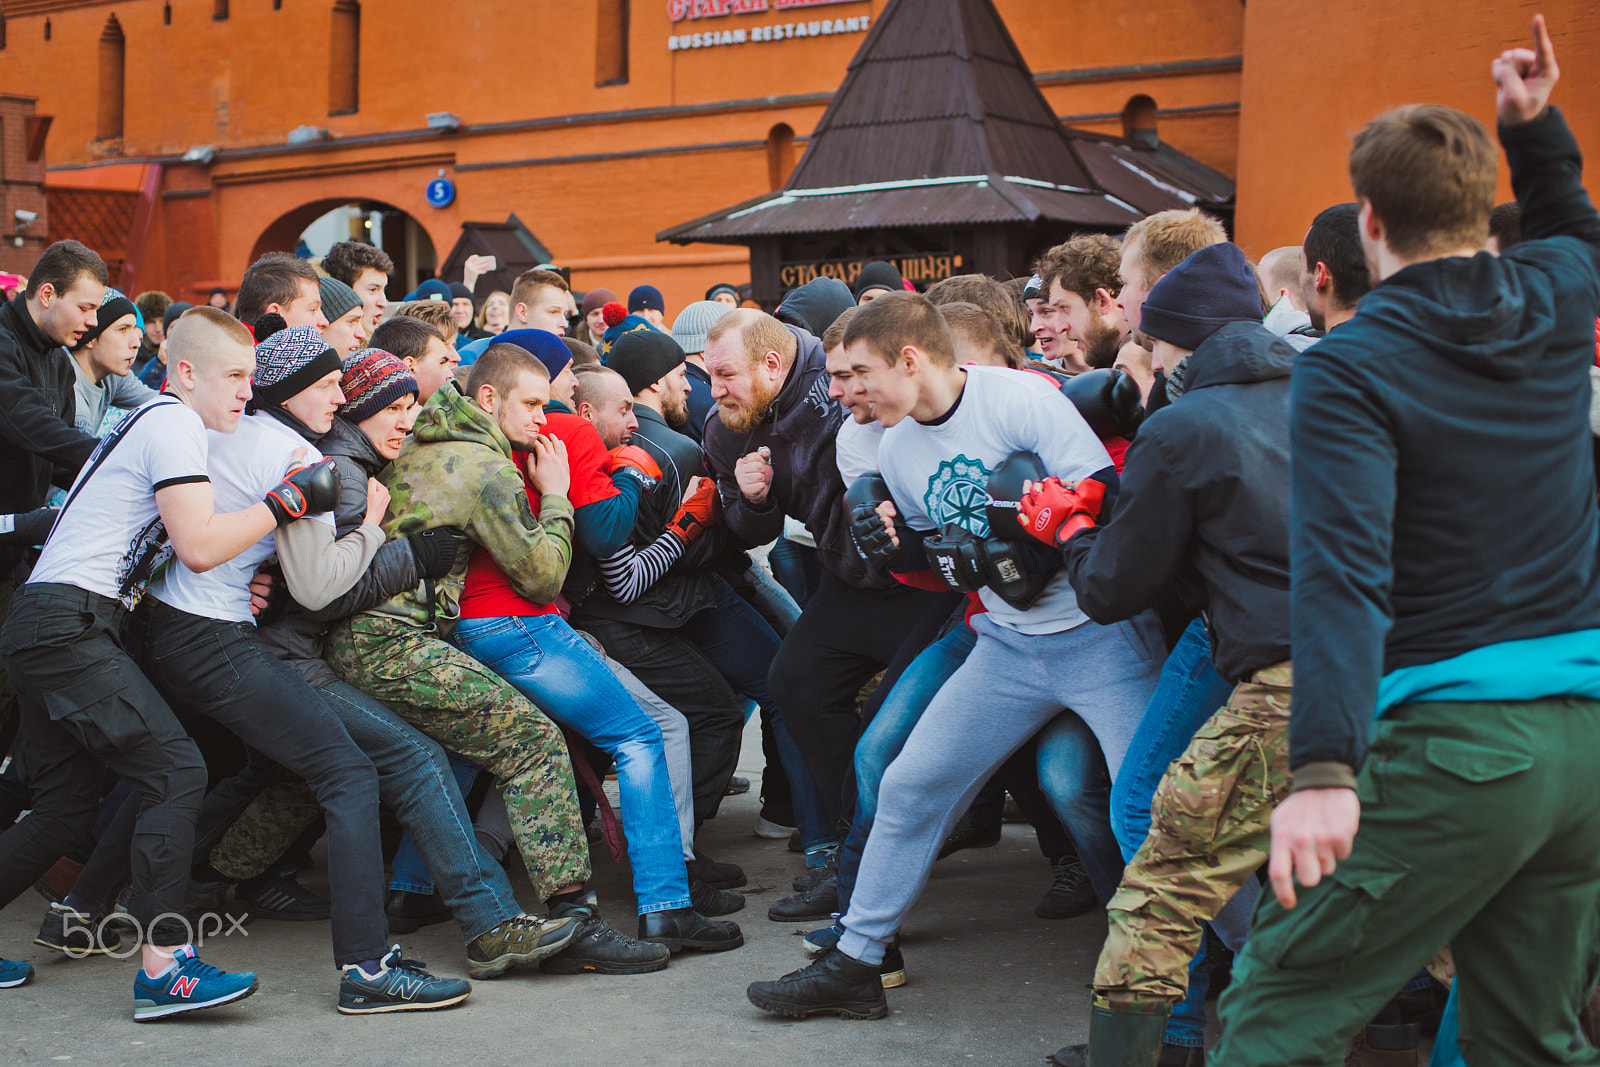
x: 922, y: 267
x: 781, y: 31
x: 702, y: 9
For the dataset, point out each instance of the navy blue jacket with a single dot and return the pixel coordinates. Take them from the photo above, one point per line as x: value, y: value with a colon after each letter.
x: 1443, y: 494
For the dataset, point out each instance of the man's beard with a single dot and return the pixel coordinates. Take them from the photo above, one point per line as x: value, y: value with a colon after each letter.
x: 676, y: 412
x: 1102, y: 344
x: 745, y: 420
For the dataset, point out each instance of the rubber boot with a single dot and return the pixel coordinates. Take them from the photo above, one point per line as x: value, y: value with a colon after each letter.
x: 1123, y: 1039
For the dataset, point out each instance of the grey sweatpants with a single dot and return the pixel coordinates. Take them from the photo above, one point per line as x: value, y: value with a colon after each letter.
x: 1010, y: 686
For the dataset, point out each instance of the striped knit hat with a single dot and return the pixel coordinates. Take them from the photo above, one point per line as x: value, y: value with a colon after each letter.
x: 373, y: 379
x: 288, y: 362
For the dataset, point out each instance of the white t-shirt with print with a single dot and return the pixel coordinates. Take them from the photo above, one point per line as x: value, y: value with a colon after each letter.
x: 939, y: 473
x: 855, y: 449
x: 245, y: 466
x: 112, y: 522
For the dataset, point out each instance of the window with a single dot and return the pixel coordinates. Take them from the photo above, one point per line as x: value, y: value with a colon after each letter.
x: 2, y: 28
x: 219, y: 9
x: 108, y: 112
x: 47, y: 29
x: 611, y: 42
x: 780, y: 155
x: 1139, y: 121
x: 166, y: 14
x: 344, y: 58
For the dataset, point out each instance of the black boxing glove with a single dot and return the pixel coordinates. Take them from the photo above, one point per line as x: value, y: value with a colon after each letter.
x: 1010, y: 569
x: 1127, y: 404
x: 866, y: 525
x: 436, y: 549
x: 1005, y: 493
x: 954, y: 555
x: 28, y: 527
x: 1093, y: 394
x: 305, y: 491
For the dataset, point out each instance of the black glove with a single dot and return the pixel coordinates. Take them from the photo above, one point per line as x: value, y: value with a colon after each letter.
x: 305, y: 491
x: 28, y: 527
x: 1108, y: 400
x: 436, y: 549
x: 954, y: 553
x: 866, y: 525
x: 1010, y: 574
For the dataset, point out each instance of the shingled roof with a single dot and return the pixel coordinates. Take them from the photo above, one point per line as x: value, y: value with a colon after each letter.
x: 939, y: 122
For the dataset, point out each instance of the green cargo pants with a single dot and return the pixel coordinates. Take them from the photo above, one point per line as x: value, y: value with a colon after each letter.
x: 1479, y: 827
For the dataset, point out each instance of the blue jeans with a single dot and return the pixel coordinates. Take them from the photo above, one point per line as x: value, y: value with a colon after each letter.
x: 1189, y: 692
x: 545, y: 659
x: 409, y: 871
x: 1074, y: 778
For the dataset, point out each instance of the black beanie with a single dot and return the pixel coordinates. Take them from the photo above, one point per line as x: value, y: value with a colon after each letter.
x: 174, y: 309
x: 643, y: 358
x: 879, y: 275
x: 1199, y: 296
x: 112, y: 310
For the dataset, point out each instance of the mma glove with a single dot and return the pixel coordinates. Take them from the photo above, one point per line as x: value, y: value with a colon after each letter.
x: 866, y: 525
x: 1052, y: 512
x: 698, y: 512
x: 304, y: 491
x: 436, y: 550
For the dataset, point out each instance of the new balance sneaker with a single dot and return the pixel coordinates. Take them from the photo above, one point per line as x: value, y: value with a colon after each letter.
x: 599, y: 947
x: 835, y: 984
x: 279, y: 896
x: 520, y: 939
x: 189, y: 986
x: 399, y: 985
x: 822, y: 939
x: 14, y: 973
x: 77, y: 933
x: 1070, y: 893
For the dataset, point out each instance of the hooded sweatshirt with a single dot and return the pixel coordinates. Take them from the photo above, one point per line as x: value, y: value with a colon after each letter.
x: 457, y: 470
x: 1443, y: 491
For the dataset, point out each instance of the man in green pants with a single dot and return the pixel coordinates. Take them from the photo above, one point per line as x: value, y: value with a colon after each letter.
x: 1443, y: 541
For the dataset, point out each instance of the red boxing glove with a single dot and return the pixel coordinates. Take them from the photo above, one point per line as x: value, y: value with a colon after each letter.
x: 698, y: 512
x: 638, y: 464
x: 1052, y: 512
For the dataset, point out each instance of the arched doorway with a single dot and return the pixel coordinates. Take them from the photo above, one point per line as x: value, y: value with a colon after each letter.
x: 322, y: 222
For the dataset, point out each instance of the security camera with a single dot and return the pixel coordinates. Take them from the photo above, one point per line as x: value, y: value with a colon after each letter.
x: 26, y: 217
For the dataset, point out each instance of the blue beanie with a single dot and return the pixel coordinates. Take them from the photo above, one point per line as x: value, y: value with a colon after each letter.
x: 1199, y: 296
x: 646, y: 296
x: 432, y: 289
x: 545, y: 346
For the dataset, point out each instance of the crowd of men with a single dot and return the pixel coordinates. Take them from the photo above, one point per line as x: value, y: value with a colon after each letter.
x: 416, y: 577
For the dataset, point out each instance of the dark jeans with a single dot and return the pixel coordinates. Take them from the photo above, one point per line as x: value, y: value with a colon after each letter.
x: 223, y: 671
x: 842, y: 638
x: 86, y: 707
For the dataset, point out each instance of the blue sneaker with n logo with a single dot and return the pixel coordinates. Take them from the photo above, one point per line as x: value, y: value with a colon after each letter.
x: 189, y: 986
x: 399, y: 985
x: 14, y: 973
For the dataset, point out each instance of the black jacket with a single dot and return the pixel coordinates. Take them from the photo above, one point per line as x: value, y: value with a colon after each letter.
x: 1205, y: 496
x: 800, y: 429
x: 1443, y: 491
x: 38, y: 442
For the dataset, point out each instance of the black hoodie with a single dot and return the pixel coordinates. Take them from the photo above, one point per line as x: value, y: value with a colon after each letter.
x: 1443, y: 491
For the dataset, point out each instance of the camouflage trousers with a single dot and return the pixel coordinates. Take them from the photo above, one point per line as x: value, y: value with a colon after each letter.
x: 266, y: 829
x: 469, y: 709
x: 1210, y: 830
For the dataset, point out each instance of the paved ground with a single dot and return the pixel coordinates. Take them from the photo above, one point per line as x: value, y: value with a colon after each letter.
x: 989, y: 984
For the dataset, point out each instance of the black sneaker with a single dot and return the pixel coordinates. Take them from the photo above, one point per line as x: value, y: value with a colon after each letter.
x: 409, y: 912
x: 279, y: 896
x: 399, y: 985
x: 818, y: 902
x: 708, y: 901
x: 77, y: 934
x: 811, y: 876
x: 520, y: 939
x: 835, y: 984
x: 600, y: 948
x: 682, y: 928
x: 716, y: 875
x: 736, y: 786
x: 1070, y: 894
x: 966, y: 835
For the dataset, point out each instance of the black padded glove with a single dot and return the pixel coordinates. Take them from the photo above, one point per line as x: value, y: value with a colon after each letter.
x: 954, y: 553
x: 305, y: 491
x: 436, y: 549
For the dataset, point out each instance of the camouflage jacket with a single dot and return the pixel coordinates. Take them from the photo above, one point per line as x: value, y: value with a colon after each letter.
x: 456, y: 470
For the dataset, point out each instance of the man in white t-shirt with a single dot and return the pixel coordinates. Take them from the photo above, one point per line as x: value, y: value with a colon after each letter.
x: 85, y: 706
x: 949, y: 428
x: 195, y: 637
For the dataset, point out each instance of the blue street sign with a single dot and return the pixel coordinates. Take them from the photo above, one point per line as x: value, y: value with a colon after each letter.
x: 441, y: 192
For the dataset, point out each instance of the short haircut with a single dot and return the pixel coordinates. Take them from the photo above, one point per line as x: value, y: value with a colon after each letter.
x: 1429, y: 173
x: 1505, y: 224
x: 1083, y: 265
x: 195, y: 334
x: 502, y: 366
x: 592, y: 379
x: 273, y: 279
x: 1280, y: 269
x: 583, y: 353
x: 1008, y: 311
x: 760, y: 332
x: 347, y: 259
x: 833, y: 336
x: 62, y: 264
x: 896, y: 320
x: 405, y: 337
x: 152, y: 304
x: 1167, y: 238
x: 531, y: 281
x: 979, y: 327
x: 435, y: 313
x: 1335, y: 240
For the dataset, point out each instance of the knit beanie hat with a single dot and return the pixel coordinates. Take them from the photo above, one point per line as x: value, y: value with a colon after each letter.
x: 174, y: 309
x: 432, y: 289
x: 288, y: 362
x: 646, y: 296
x: 1199, y: 296
x: 595, y: 299
x: 373, y: 379
x: 619, y: 322
x: 458, y: 291
x: 689, y: 329
x: 338, y: 299
x: 543, y: 345
x: 723, y: 287
x: 878, y: 275
x: 112, y: 307
x: 644, y: 357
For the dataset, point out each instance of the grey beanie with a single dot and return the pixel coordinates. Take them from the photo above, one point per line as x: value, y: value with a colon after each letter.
x: 338, y: 299
x: 689, y: 329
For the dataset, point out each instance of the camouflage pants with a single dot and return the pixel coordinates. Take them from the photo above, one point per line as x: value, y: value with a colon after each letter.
x: 469, y: 709
x: 1210, y: 829
x: 266, y: 829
